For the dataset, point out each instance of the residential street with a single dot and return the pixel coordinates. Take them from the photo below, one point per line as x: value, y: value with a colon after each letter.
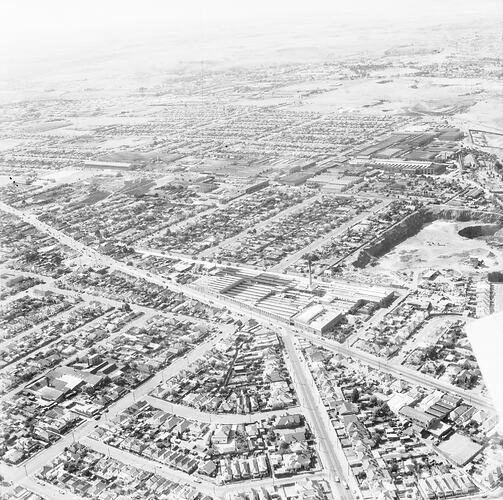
x: 312, y: 410
x: 217, y: 418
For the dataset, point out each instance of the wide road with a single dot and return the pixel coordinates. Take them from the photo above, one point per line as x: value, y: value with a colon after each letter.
x: 144, y: 463
x: 398, y: 371
x: 402, y: 372
x: 17, y: 473
x: 46, y: 490
x: 203, y: 485
x: 312, y: 411
x: 217, y: 418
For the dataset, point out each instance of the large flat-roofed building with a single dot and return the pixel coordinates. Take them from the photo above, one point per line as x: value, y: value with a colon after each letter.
x: 422, y: 155
x: 390, y: 152
x: 396, y: 144
x: 356, y: 293
x: 407, y: 167
x: 318, y: 319
x: 295, y: 179
x: 113, y: 165
x: 451, y: 134
x: 257, y: 186
x: 411, y: 153
x: 290, y: 299
x: 333, y: 182
x: 459, y: 449
x: 417, y: 417
x: 370, y: 150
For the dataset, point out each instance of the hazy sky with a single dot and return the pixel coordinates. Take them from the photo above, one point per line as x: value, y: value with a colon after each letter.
x: 46, y: 30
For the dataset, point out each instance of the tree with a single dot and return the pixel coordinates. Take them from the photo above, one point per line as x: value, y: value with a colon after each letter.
x: 283, y: 447
x: 355, y: 395
x: 310, y: 257
x: 431, y: 352
x: 31, y: 256
x: 271, y: 435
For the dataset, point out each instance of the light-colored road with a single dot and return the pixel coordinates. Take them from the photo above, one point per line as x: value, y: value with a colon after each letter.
x: 399, y: 371
x: 106, y: 300
x: 196, y: 217
x: 312, y: 410
x: 20, y: 293
x: 265, y: 483
x: 149, y: 465
x: 16, y: 473
x: 203, y: 485
x: 183, y: 258
x: 217, y: 418
x: 47, y: 279
x: 48, y: 491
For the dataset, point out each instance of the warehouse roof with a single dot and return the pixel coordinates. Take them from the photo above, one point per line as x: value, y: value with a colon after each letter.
x: 460, y: 449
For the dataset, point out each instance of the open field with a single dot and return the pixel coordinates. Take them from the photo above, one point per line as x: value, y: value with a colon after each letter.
x: 438, y: 245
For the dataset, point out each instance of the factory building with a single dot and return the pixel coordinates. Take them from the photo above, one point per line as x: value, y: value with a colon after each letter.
x: 318, y: 319
x: 113, y: 165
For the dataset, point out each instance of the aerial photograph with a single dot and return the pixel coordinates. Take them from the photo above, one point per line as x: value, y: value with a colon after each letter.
x: 251, y: 250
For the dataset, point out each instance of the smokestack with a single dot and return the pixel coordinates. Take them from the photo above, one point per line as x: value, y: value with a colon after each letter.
x: 310, y: 275
x: 460, y: 161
